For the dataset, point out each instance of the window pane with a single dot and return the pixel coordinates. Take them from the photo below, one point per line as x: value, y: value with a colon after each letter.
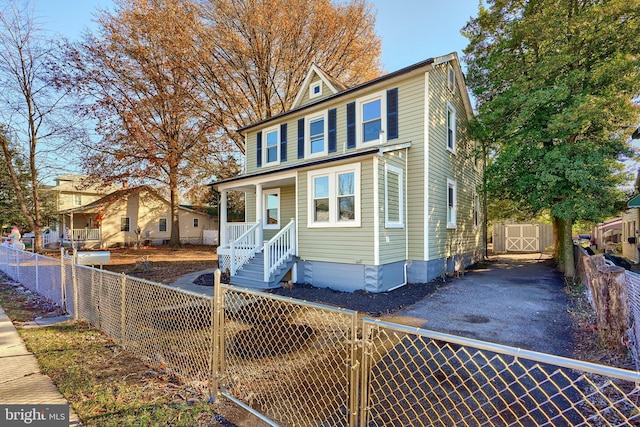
x: 321, y: 187
x: 347, y: 208
x: 321, y: 210
x: 272, y: 208
x: 317, y: 135
x: 272, y: 139
x: 345, y: 184
x: 272, y: 154
x: 371, y: 130
x: 162, y: 226
x: 196, y: 222
x: 371, y: 111
x: 124, y: 224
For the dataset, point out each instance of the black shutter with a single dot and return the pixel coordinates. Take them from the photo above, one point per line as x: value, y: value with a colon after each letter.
x: 259, y: 149
x: 301, y: 138
x: 332, y: 142
x: 351, y: 125
x: 392, y: 113
x: 283, y: 142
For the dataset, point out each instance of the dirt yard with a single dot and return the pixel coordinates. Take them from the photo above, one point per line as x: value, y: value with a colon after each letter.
x: 160, y: 263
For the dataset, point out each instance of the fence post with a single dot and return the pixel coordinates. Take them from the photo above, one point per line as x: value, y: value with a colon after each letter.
x: 74, y: 281
x: 37, y: 275
x: 63, y: 278
x: 217, y: 335
x: 123, y: 317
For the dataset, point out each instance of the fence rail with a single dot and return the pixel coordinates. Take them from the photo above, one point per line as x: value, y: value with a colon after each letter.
x: 300, y: 363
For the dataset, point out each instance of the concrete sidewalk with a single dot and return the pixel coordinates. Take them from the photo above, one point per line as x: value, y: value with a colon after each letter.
x: 21, y: 381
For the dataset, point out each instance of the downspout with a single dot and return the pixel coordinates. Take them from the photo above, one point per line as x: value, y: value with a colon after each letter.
x: 406, y: 225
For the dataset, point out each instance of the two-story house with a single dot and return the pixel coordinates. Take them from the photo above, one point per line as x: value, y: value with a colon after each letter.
x: 368, y: 187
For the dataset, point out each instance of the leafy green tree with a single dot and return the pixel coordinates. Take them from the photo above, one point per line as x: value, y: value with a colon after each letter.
x: 554, y: 81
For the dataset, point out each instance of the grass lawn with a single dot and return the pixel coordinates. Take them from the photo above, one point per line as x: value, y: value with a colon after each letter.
x: 106, y: 385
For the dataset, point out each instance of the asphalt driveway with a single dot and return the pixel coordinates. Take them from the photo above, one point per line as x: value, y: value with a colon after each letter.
x: 516, y: 300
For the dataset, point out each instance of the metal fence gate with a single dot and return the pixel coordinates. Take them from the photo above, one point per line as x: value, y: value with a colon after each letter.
x: 296, y: 363
x: 522, y: 238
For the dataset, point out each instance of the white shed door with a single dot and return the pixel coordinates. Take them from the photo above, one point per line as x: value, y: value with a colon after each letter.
x: 522, y: 238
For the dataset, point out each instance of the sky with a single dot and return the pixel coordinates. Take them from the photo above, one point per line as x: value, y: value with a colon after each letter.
x: 411, y: 30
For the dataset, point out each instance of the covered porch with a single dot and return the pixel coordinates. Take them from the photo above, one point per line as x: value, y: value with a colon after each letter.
x: 81, y: 229
x: 261, y: 251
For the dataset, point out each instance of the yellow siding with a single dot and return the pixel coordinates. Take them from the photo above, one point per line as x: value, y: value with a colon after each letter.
x: 351, y: 245
x: 443, y: 165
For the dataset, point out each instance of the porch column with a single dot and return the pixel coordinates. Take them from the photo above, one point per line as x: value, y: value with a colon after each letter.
x: 222, y: 238
x: 259, y: 212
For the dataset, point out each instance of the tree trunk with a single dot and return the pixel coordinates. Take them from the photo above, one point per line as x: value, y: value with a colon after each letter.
x: 174, y: 240
x: 566, y: 261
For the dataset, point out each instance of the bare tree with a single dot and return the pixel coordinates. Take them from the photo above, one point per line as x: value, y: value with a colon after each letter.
x: 255, y: 54
x: 136, y: 75
x: 31, y: 107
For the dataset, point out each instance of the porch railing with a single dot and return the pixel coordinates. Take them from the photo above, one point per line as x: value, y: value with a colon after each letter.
x: 280, y: 248
x: 84, y: 234
x: 235, y: 230
x: 244, y: 247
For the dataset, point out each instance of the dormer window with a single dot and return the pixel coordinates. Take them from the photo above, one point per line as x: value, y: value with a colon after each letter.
x: 315, y: 89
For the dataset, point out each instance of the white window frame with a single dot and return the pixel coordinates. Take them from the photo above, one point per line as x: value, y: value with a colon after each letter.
x: 312, y: 88
x: 196, y: 222
x: 307, y: 134
x: 451, y: 78
x: 451, y: 110
x: 265, y: 196
x: 360, y: 102
x: 395, y: 170
x: 166, y: 224
x: 265, y: 147
x: 332, y: 174
x: 77, y: 199
x: 452, y: 205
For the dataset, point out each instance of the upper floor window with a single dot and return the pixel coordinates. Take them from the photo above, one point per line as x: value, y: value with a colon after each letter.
x: 125, y: 223
x: 196, y: 222
x: 77, y: 199
x: 334, y: 197
x: 271, y: 151
x: 451, y: 203
x: 315, y: 89
x: 316, y: 134
x: 451, y: 128
x: 162, y: 225
x: 371, y: 118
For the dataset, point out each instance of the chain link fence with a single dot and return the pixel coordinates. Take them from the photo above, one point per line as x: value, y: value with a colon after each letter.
x: 296, y: 363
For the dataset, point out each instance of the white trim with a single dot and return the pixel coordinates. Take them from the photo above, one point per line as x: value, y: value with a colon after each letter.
x: 193, y: 223
x: 453, y: 221
x: 305, y: 84
x: 383, y: 117
x: 426, y: 146
x: 376, y: 212
x: 307, y: 135
x: 451, y: 109
x: 399, y: 172
x: 266, y: 131
x: 236, y: 186
x: 312, y: 88
x: 265, y: 217
x: 332, y: 174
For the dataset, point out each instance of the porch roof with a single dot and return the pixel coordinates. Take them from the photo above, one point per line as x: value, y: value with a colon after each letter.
x: 296, y: 166
x: 634, y: 203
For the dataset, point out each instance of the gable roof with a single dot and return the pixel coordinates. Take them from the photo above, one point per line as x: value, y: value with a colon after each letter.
x: 111, y: 198
x: 333, y: 84
x: 417, y: 66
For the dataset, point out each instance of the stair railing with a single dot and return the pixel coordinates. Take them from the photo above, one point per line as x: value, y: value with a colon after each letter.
x: 280, y: 248
x: 244, y: 248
